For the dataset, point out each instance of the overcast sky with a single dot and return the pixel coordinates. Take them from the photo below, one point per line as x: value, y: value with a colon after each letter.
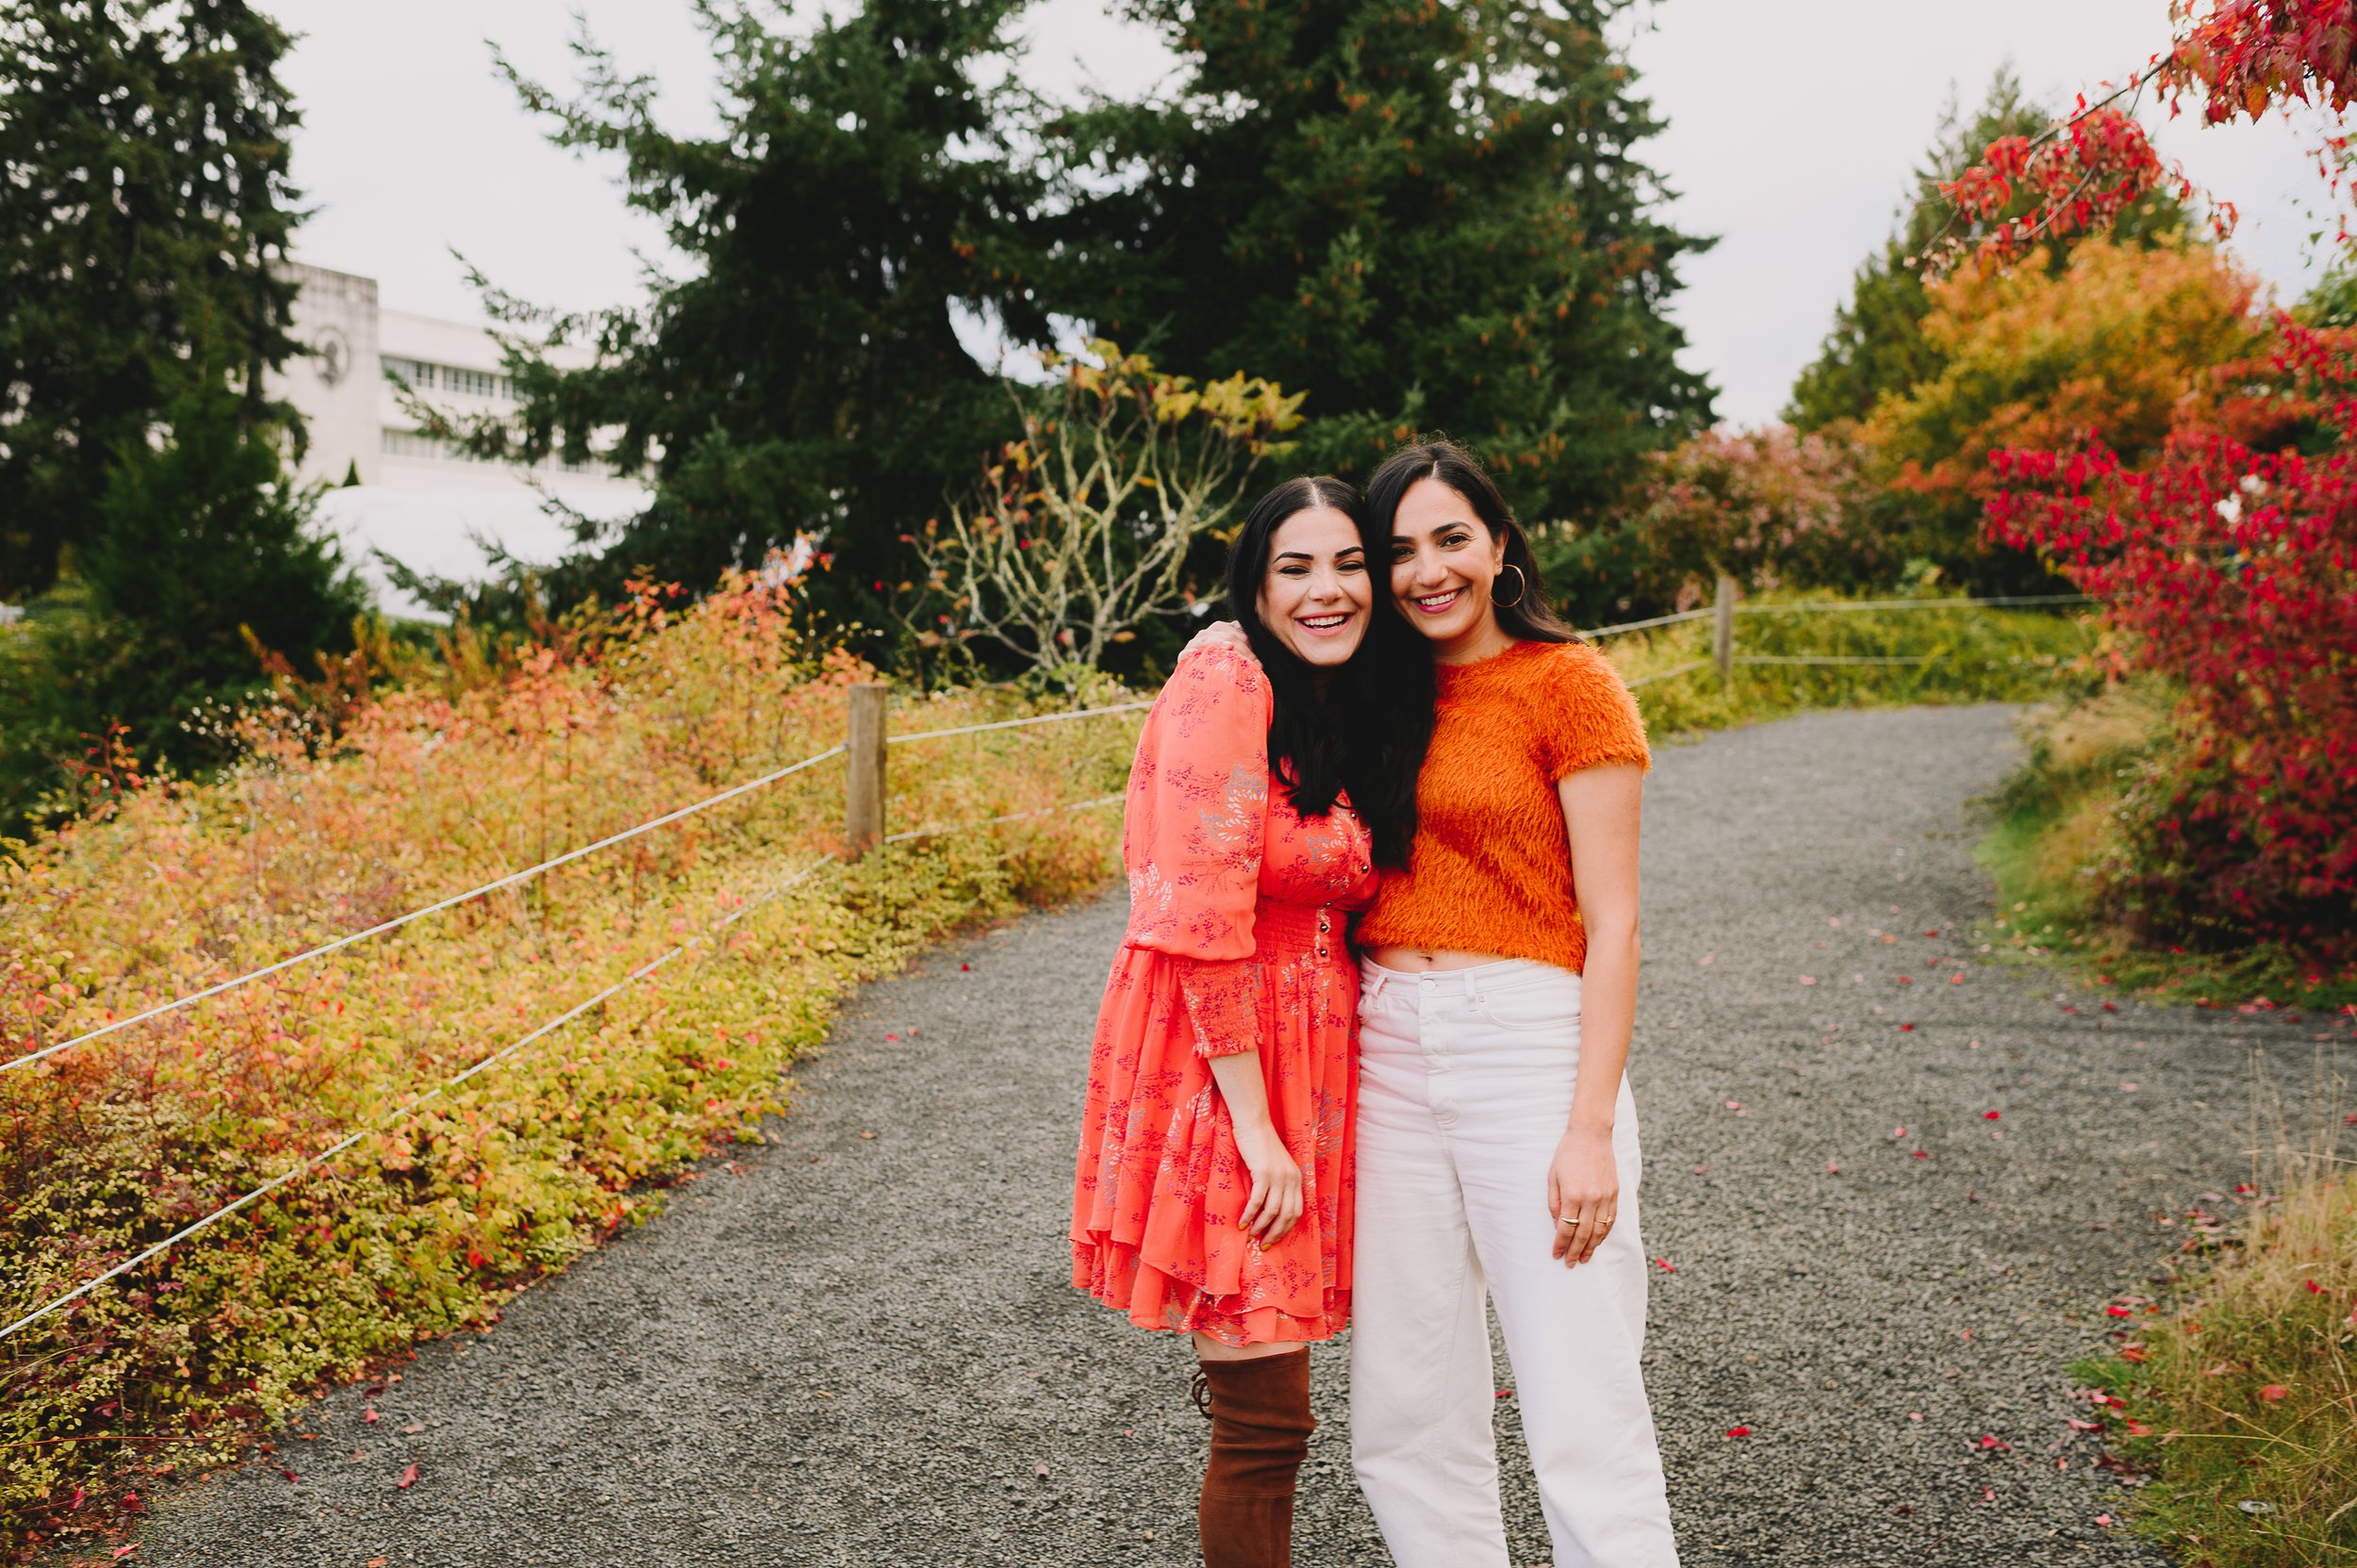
x: 1792, y: 125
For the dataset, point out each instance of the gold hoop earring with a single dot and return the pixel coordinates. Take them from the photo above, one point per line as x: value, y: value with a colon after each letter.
x: 1521, y: 585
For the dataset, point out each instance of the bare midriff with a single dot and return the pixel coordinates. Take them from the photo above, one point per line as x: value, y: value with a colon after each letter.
x: 1417, y: 961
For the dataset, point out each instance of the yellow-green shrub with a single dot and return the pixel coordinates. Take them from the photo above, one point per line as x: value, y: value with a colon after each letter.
x: 111, y: 1146
x: 1977, y: 655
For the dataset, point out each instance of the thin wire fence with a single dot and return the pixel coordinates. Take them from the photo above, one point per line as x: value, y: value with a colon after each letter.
x: 517, y: 878
x: 1833, y: 606
x: 394, y: 1117
x: 1017, y: 723
x: 382, y: 926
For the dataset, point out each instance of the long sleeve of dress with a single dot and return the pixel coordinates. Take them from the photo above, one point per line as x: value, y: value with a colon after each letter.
x: 1198, y: 811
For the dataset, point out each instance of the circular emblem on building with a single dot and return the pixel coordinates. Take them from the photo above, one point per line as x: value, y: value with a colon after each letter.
x: 334, y: 353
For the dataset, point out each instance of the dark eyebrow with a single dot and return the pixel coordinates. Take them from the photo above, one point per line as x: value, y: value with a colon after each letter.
x: 1306, y: 555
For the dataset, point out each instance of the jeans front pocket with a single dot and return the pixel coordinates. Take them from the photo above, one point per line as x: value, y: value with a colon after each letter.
x: 1552, y: 1006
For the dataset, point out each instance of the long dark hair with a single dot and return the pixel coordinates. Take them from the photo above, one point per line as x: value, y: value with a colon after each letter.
x: 1367, y: 734
x: 1528, y: 617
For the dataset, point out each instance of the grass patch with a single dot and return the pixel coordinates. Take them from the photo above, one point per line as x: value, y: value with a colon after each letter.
x: 2057, y: 836
x: 1971, y: 655
x: 2235, y: 1396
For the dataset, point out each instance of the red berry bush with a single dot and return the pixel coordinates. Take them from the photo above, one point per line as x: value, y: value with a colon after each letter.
x: 2233, y: 573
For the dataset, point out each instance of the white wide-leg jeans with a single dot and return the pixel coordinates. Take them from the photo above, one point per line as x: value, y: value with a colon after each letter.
x: 1465, y: 1090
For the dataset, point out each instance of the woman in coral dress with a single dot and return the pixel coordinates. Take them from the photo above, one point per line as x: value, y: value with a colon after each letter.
x: 1214, y: 1191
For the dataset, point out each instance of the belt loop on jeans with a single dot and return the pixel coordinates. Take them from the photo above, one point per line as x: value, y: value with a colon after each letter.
x: 1382, y: 978
x: 1472, y: 989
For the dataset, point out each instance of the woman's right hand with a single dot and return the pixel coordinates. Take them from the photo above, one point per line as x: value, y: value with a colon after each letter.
x: 1221, y: 633
x: 1275, y: 1207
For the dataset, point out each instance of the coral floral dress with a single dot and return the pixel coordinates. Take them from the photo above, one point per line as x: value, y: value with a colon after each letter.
x: 1236, y: 942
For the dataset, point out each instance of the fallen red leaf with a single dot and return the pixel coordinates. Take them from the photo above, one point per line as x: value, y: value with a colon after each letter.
x: 1505, y: 1394
x: 1989, y: 1440
x: 2103, y: 1519
x: 965, y: 966
x: 122, y: 1552
x: 1906, y: 1029
x: 1955, y: 979
x: 370, y: 1418
x: 409, y: 1477
x: 2117, y: 1310
x: 2273, y: 1392
x: 1739, y: 1431
x: 289, y: 1474
x: 412, y: 1429
x: 1989, y: 1115
x: 1921, y: 1155
x: 1666, y: 1267
x: 79, y: 1497
x: 2314, y: 1289
x: 1897, y: 1131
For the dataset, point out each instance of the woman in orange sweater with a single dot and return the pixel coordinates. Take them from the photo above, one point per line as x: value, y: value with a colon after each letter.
x: 1498, y: 1151
x: 1498, y: 1155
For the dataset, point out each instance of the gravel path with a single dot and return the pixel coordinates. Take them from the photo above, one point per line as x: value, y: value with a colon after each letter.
x: 856, y: 1345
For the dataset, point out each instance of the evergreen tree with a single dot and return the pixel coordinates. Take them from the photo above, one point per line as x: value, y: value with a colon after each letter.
x: 205, y: 560
x: 1426, y: 216
x: 209, y: 550
x: 1877, y: 343
x: 805, y: 376
x: 144, y: 198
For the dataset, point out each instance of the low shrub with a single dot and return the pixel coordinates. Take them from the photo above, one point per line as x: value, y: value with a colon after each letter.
x: 1768, y: 508
x: 2068, y: 857
x: 327, y: 828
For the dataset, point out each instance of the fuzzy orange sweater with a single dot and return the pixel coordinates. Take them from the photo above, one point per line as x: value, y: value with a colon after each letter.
x: 1490, y: 868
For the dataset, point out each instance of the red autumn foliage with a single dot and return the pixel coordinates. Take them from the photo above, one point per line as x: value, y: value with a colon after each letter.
x: 2232, y: 572
x: 2084, y: 173
x: 2244, y: 56
x: 2236, y: 57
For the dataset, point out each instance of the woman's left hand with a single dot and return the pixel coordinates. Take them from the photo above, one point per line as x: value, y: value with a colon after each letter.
x: 1583, y: 1193
x: 1220, y: 634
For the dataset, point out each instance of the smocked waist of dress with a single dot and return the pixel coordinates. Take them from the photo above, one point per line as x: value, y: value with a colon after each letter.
x: 1282, y: 926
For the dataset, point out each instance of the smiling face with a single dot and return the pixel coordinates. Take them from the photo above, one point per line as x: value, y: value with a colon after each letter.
x: 1444, y: 562
x: 1318, y: 595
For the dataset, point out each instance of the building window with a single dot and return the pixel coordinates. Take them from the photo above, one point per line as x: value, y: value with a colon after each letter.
x: 423, y: 376
x: 411, y: 443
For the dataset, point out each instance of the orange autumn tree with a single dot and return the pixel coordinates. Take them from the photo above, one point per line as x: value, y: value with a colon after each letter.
x: 2104, y: 348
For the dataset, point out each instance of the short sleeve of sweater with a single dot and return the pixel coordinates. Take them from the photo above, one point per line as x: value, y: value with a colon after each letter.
x: 1590, y: 719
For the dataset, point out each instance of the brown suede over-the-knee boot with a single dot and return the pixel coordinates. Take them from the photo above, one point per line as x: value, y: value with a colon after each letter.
x: 1260, y: 1425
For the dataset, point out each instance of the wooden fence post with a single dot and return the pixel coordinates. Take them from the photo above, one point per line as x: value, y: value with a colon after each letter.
x: 863, y: 792
x: 1723, y: 637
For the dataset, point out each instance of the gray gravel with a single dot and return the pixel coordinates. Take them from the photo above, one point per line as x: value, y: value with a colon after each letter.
x: 844, y: 1349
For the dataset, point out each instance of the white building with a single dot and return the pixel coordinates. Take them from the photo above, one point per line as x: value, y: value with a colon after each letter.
x: 398, y: 490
